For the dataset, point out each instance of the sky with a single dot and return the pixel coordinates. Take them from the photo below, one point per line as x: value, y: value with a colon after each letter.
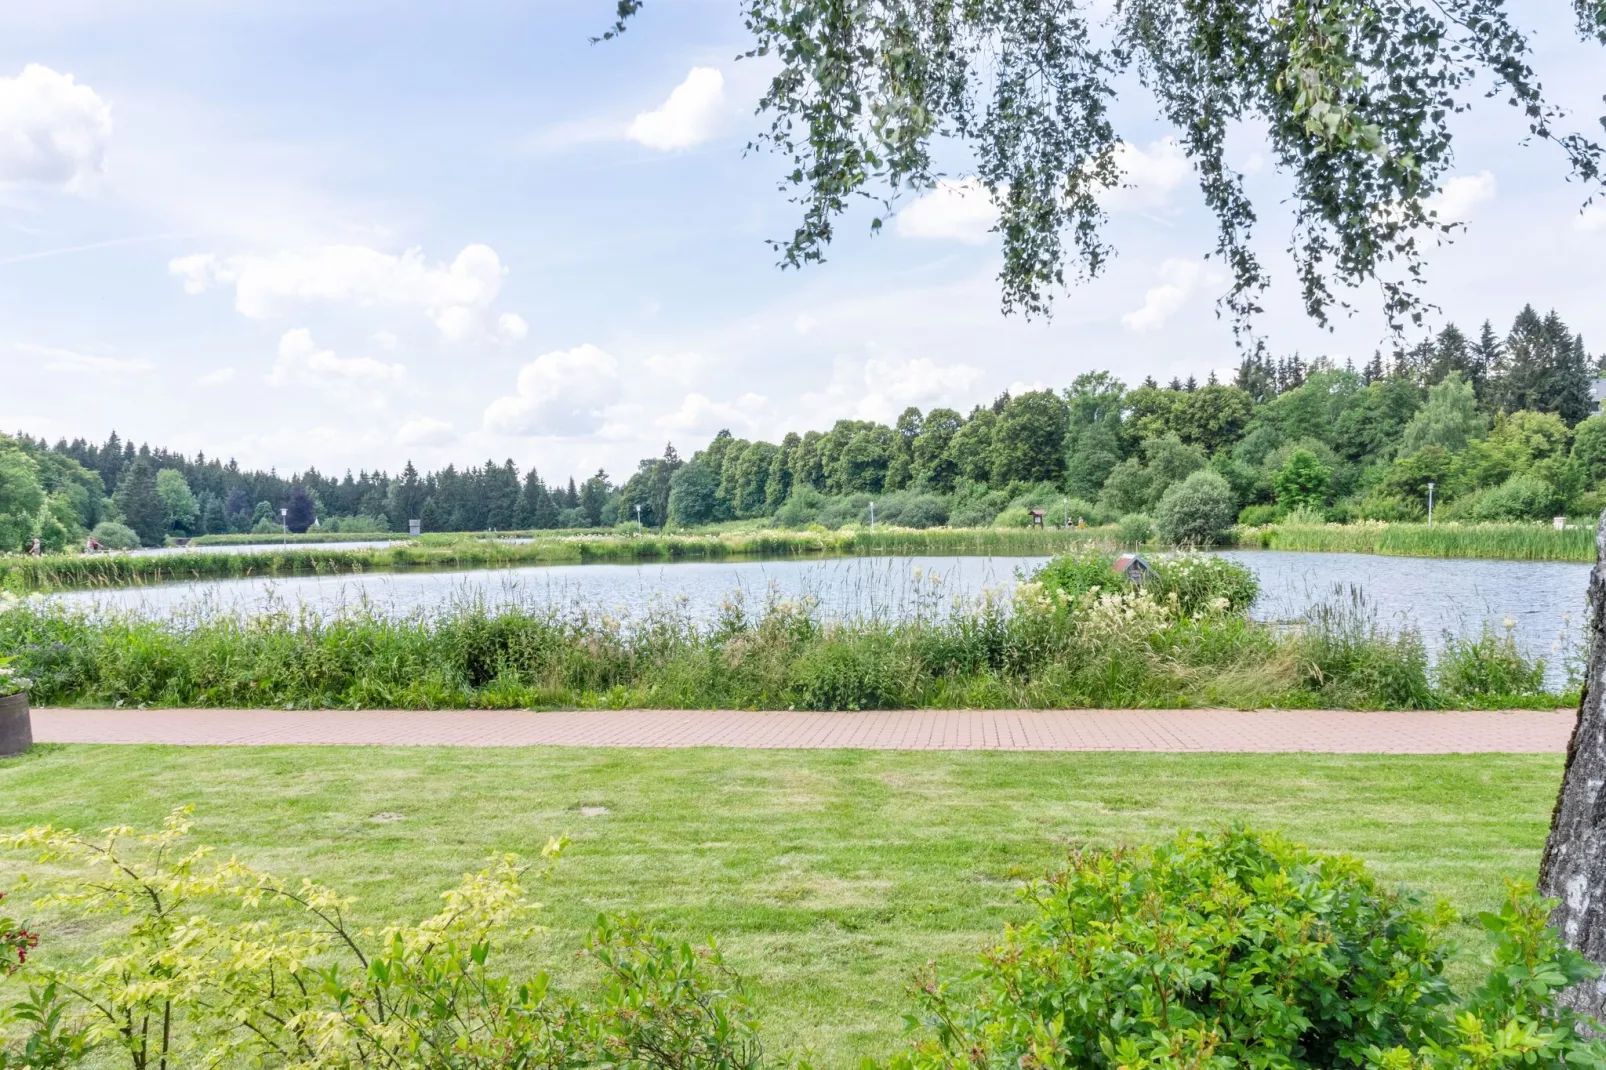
x: 349, y: 234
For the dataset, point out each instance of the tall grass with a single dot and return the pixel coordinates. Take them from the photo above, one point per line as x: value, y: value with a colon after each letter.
x: 18, y: 573
x: 1180, y: 643
x: 1514, y: 541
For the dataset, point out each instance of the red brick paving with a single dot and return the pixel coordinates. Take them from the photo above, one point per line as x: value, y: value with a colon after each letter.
x: 1254, y: 731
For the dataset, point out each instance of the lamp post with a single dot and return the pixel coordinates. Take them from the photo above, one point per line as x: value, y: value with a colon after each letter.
x: 284, y: 523
x: 638, y: 513
x: 872, y: 516
x: 1430, y: 503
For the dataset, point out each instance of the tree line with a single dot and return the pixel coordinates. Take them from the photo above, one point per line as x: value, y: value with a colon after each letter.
x: 1503, y: 426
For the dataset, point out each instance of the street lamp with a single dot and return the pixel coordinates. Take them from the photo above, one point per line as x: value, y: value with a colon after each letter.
x: 1430, y: 503
x: 284, y: 522
x: 638, y: 513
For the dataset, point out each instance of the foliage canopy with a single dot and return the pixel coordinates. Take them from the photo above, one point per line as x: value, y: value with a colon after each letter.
x: 1356, y: 102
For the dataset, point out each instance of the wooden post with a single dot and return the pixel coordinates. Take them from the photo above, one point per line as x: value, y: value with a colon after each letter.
x: 1573, y: 869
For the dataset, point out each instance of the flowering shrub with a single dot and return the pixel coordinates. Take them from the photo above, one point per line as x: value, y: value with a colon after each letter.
x: 1244, y: 950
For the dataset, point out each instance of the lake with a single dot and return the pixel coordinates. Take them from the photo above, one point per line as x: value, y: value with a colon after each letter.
x: 1540, y: 598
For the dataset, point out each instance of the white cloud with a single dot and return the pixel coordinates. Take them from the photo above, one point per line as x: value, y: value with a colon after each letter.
x: 217, y: 378
x: 386, y: 340
x: 1178, y: 280
x: 690, y: 115
x: 882, y: 387
x: 1151, y: 176
x: 1591, y: 218
x: 1461, y: 195
x: 510, y: 326
x: 698, y: 414
x: 804, y: 323
x: 54, y: 359
x: 565, y: 392
x: 301, y: 363
x: 958, y: 211
x: 53, y: 131
x: 425, y: 432
x: 454, y: 296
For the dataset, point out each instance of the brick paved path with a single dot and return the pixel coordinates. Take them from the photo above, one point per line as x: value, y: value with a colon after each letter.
x: 1259, y: 731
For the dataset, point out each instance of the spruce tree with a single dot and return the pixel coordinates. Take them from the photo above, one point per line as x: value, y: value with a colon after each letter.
x: 299, y: 512
x: 140, y: 504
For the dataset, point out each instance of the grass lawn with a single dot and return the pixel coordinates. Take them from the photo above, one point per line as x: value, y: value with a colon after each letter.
x: 828, y: 876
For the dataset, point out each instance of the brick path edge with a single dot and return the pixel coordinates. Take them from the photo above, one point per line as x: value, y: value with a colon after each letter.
x: 1175, y: 731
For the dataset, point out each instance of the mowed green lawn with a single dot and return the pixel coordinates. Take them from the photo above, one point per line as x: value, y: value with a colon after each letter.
x: 828, y: 876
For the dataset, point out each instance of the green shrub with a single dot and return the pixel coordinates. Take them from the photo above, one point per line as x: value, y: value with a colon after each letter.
x: 848, y: 673
x: 1134, y: 529
x: 114, y: 536
x: 1245, y: 950
x: 1490, y: 665
x: 1522, y: 497
x: 1254, y: 516
x: 1196, y: 512
x: 226, y: 966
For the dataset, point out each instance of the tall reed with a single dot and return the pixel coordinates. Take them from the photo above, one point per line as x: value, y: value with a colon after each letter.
x: 1515, y: 541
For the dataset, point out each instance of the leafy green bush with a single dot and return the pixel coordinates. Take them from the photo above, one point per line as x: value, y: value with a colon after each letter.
x: 1254, y: 516
x: 1522, y: 497
x: 1134, y: 529
x: 1490, y: 665
x: 114, y: 536
x: 1196, y: 512
x: 843, y: 674
x: 1245, y: 950
x: 223, y: 965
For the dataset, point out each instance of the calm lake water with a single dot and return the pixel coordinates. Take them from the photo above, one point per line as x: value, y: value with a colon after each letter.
x: 1432, y: 595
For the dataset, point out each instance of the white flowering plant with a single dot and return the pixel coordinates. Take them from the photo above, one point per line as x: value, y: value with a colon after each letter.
x: 11, y: 682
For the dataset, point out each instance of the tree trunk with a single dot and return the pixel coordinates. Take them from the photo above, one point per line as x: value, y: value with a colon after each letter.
x: 1573, y: 869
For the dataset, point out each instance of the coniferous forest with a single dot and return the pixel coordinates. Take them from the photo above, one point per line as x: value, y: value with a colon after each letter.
x: 1504, y: 427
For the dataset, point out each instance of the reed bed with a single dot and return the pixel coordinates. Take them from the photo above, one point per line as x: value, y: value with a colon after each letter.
x: 1072, y: 637
x: 23, y: 574
x: 1515, y: 541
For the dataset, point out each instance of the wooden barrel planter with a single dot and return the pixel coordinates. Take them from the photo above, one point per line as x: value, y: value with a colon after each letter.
x: 16, y: 727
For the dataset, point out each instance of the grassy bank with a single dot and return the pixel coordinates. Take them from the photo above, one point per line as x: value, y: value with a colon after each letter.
x: 19, y: 573
x: 1514, y: 542
x: 1074, y: 638
x: 828, y: 877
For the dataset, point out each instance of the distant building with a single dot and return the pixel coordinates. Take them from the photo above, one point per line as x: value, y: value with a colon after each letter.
x: 1597, y: 391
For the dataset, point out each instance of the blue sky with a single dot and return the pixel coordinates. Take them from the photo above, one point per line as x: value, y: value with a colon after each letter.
x: 355, y: 233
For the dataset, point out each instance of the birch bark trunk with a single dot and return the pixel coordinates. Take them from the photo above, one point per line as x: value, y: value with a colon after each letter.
x: 1573, y: 869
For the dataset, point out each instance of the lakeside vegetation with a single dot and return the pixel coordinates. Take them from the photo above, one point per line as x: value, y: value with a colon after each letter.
x: 828, y: 878
x: 1511, y: 542
x: 302, y: 555
x: 21, y: 573
x: 1074, y: 635
x: 1503, y: 429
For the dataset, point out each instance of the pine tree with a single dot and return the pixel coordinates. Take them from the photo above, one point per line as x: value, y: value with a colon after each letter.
x: 1486, y: 357
x: 141, y: 506
x: 571, y: 498
x: 1373, y: 372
